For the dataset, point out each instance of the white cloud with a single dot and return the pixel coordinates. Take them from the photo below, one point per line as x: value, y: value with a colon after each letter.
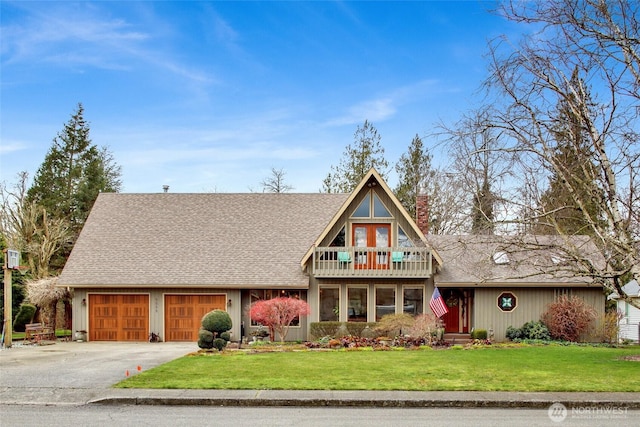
x: 11, y: 146
x: 385, y: 106
x: 73, y: 36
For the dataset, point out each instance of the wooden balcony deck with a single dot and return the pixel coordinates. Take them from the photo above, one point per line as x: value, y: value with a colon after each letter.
x: 371, y: 262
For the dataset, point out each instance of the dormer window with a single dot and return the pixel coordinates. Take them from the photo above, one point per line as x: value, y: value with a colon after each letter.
x: 500, y: 258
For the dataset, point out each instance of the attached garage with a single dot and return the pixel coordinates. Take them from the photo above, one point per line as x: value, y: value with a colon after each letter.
x: 183, y: 314
x: 118, y: 317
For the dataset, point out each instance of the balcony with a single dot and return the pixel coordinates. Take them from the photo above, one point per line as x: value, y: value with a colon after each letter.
x: 371, y: 262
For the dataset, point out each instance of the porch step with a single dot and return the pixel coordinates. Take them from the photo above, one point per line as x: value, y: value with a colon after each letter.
x: 457, y: 338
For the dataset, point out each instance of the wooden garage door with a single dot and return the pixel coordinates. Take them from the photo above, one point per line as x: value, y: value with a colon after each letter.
x: 118, y: 317
x: 183, y: 314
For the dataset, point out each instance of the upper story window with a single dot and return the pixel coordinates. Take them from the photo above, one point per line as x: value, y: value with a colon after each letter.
x: 371, y: 207
x: 403, y: 240
x: 364, y: 210
x: 339, y: 240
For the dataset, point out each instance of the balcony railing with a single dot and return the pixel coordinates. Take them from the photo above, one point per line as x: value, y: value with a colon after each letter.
x: 371, y: 262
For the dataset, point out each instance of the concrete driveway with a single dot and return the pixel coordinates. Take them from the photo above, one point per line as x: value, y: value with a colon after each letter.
x: 90, y: 365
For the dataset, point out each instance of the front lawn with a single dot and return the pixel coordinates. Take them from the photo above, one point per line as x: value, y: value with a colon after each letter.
x: 497, y: 368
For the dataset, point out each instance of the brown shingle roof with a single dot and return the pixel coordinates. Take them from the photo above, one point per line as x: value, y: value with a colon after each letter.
x: 218, y: 239
x: 532, y: 260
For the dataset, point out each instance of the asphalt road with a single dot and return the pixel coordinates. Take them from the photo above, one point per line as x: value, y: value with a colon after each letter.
x: 52, y: 385
x: 160, y: 416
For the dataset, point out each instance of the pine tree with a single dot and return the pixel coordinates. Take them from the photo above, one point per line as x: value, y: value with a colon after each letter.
x: 414, y: 171
x: 365, y: 153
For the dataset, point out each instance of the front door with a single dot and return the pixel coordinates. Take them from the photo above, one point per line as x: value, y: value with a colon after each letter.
x: 458, y: 302
x: 452, y: 318
x: 372, y: 236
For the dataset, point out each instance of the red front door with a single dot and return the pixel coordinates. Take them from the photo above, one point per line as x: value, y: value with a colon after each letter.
x: 458, y: 303
x: 452, y: 318
x: 372, y: 236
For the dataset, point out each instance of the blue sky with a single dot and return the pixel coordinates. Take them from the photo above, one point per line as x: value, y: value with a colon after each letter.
x: 209, y: 96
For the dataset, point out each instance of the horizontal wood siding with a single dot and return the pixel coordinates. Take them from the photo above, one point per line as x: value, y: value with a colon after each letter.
x: 531, y: 304
x: 629, y: 324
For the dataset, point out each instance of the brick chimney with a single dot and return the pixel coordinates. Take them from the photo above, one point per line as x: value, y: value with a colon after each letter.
x: 422, y: 213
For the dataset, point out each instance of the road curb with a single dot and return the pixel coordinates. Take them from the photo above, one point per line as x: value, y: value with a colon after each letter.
x: 378, y: 403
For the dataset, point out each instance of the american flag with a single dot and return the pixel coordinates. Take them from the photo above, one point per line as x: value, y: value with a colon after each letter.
x: 437, y: 304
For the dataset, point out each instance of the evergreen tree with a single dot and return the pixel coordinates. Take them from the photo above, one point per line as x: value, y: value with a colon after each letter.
x: 482, y: 215
x: 480, y: 166
x: 573, y: 190
x: 365, y: 153
x: 64, y: 189
x: 74, y: 171
x: 414, y: 170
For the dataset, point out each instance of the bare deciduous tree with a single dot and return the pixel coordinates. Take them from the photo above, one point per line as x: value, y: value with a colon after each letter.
x: 29, y: 229
x: 449, y: 207
x: 599, y: 39
x: 275, y: 183
x: 480, y: 166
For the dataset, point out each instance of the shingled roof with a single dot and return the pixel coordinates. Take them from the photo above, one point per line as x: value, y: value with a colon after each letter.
x: 487, y: 260
x: 198, y: 240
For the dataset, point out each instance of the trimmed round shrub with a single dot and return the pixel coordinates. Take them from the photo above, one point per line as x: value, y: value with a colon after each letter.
x: 216, y: 321
x: 205, y: 339
x: 219, y: 344
x: 24, y: 316
x: 226, y: 336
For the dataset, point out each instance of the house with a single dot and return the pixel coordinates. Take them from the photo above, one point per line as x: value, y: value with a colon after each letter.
x: 492, y: 282
x: 629, y: 324
x: 157, y: 263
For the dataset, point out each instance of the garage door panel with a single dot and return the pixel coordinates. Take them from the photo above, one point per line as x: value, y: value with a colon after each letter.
x: 184, y: 314
x: 118, y: 317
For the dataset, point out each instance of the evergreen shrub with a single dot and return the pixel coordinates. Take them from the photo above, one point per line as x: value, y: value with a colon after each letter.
x: 205, y: 339
x: 219, y: 343
x: 479, y: 334
x: 24, y: 316
x: 216, y: 321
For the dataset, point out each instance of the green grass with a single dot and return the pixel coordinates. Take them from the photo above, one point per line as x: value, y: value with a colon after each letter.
x: 526, y: 368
